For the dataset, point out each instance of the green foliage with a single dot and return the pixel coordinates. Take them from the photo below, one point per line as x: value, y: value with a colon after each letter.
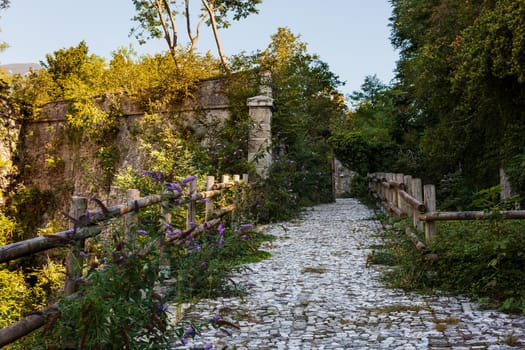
x: 305, y: 92
x: 7, y: 229
x: 481, y: 259
x: 117, y: 305
x: 158, y: 19
x: 461, y: 69
x: 23, y: 292
x: 13, y: 288
x: 203, y: 267
x: 28, y: 206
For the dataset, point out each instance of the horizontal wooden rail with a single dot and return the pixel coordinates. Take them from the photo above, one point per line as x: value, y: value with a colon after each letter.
x: 402, y: 194
x: 471, y: 215
x: 420, y: 207
x: 87, y: 225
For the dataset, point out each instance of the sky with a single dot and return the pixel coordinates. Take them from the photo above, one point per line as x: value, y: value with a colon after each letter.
x: 352, y: 36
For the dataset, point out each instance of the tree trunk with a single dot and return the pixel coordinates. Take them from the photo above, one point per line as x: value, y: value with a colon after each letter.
x: 211, y: 13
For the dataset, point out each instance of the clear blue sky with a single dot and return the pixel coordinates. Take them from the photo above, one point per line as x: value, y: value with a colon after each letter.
x: 352, y: 36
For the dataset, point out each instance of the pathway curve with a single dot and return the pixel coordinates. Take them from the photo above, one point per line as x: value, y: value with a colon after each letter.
x: 316, y: 292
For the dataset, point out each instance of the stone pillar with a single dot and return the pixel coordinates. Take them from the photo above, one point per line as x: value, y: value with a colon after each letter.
x: 506, y: 191
x: 259, y: 151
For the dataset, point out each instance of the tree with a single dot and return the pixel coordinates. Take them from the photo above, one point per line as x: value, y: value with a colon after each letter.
x: 307, y: 100
x: 3, y: 5
x: 157, y: 18
x: 462, y: 70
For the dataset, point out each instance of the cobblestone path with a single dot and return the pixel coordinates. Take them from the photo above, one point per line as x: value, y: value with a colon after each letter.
x: 316, y: 292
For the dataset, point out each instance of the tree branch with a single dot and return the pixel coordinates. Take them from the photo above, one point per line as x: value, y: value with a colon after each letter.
x: 211, y: 14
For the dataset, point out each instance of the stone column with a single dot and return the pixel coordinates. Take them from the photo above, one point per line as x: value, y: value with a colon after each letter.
x: 259, y: 151
x: 506, y: 191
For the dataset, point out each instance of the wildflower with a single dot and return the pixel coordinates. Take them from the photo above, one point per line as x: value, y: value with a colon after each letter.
x: 167, y: 226
x: 220, y: 229
x: 174, y: 187
x: 158, y: 176
x: 189, y: 331
x: 246, y: 227
x: 187, y: 180
x: 244, y: 236
x: 162, y: 308
x: 142, y: 232
x: 208, y: 347
x: 82, y: 254
x: 172, y: 233
x: 215, y: 319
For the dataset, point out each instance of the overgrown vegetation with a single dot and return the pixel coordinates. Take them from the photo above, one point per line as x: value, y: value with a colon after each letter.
x: 119, y: 302
x: 479, y: 259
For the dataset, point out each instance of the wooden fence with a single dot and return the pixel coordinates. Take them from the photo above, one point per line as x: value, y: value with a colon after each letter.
x: 402, y: 195
x: 86, y: 224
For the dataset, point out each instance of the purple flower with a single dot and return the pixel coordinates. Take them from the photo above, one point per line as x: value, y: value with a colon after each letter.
x: 172, y: 233
x: 220, y: 229
x: 246, y: 227
x: 244, y: 236
x: 82, y: 254
x: 208, y: 347
x: 221, y: 241
x: 215, y: 319
x: 167, y: 226
x: 205, y: 200
x: 187, y: 180
x: 142, y: 232
x: 189, y: 331
x: 162, y: 308
x: 174, y: 187
x: 157, y: 175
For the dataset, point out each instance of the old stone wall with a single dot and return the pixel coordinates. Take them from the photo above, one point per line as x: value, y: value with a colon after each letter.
x: 53, y: 160
x: 9, y: 134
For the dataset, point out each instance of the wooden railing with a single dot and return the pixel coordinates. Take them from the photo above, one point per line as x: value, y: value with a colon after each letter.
x: 403, y: 195
x: 86, y: 224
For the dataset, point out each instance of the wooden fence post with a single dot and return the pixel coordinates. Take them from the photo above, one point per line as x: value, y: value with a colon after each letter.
x: 131, y: 219
x: 389, y: 192
x: 430, y: 203
x: 191, y: 214
x: 210, y: 181
x: 417, y: 194
x: 74, y: 260
x: 400, y: 202
x: 407, y: 181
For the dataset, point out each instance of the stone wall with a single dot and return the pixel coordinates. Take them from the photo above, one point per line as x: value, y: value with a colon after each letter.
x: 53, y: 161
x: 342, y: 178
x: 9, y: 135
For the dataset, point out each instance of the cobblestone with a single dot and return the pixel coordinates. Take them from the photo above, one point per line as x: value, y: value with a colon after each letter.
x: 316, y: 292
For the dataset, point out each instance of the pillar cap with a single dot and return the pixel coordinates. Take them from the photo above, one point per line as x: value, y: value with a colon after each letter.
x: 260, y: 101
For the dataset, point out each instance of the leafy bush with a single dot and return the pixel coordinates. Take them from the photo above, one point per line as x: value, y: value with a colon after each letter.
x: 481, y: 259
